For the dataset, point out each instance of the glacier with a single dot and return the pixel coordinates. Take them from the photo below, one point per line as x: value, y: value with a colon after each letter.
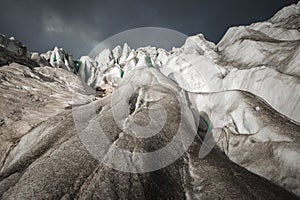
x: 243, y: 94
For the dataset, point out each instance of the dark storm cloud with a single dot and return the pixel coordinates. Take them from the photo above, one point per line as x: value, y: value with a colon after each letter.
x: 79, y: 25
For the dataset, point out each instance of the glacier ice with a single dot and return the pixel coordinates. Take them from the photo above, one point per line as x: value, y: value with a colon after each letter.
x: 245, y: 89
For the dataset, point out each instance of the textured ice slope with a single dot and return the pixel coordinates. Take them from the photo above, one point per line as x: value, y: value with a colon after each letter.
x: 246, y: 87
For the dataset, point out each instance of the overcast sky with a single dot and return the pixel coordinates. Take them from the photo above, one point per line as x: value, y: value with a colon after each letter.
x: 78, y: 26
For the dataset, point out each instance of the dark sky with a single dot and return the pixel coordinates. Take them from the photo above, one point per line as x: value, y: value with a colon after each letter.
x: 78, y: 26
